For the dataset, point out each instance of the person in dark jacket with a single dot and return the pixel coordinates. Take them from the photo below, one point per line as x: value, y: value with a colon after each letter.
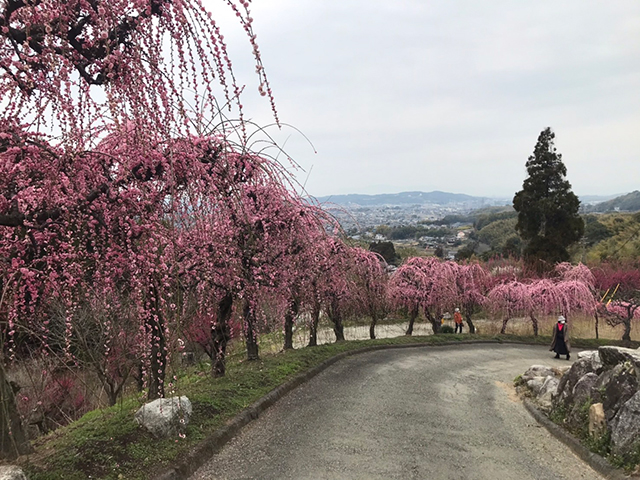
x: 560, y: 341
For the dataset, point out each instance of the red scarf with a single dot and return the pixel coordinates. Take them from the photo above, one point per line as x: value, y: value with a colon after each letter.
x: 560, y: 325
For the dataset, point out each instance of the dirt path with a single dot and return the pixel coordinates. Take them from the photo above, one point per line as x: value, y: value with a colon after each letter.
x: 424, y: 413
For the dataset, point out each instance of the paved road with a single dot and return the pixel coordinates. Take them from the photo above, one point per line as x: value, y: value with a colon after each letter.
x: 420, y: 413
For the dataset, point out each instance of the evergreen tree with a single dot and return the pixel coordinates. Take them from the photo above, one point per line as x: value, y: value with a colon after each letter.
x: 548, y: 219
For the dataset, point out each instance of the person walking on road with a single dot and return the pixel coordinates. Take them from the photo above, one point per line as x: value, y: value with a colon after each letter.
x: 560, y: 341
x: 457, y: 318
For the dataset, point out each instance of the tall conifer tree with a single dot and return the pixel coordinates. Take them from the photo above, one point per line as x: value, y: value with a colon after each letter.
x: 548, y: 219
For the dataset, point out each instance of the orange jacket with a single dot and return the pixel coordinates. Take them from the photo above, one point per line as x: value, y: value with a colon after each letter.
x: 457, y: 317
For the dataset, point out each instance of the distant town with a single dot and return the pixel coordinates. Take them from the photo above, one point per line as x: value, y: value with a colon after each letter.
x: 430, y: 222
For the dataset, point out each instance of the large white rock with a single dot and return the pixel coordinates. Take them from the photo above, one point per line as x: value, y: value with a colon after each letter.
x: 165, y: 417
x: 594, y: 357
x: 535, y: 384
x: 547, y: 392
x: 537, y: 371
x: 11, y: 472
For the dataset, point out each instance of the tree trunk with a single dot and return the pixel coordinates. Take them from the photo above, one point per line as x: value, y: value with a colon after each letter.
x: 289, y: 317
x: 220, y: 336
x: 139, y: 376
x: 434, y: 321
x: 13, y: 439
x: 626, y: 336
x: 372, y: 327
x: 250, y: 333
x: 335, y: 315
x: 534, y: 322
x: 472, y: 327
x: 412, y: 319
x: 158, y: 361
x: 597, y: 320
x: 313, y: 328
x: 503, y: 330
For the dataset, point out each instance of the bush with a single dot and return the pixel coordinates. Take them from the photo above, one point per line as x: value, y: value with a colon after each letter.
x: 446, y: 329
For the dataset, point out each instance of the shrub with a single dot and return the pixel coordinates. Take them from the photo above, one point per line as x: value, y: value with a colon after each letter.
x: 446, y: 329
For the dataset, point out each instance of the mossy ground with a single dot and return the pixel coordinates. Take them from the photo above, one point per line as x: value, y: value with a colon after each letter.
x: 108, y: 444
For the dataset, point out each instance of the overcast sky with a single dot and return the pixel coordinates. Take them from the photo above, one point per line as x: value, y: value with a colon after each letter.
x: 448, y: 95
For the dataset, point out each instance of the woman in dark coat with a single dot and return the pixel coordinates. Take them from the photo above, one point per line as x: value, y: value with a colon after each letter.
x: 560, y: 341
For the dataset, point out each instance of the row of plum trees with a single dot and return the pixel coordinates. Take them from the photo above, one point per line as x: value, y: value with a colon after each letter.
x: 129, y: 203
x: 501, y: 290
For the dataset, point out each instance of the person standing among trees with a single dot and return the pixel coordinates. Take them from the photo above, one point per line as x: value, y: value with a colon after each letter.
x: 457, y: 318
x: 560, y: 340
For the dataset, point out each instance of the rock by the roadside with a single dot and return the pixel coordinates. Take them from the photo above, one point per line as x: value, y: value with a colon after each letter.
x: 537, y: 371
x: 586, y: 354
x: 594, y: 357
x: 535, y: 384
x: 11, y: 472
x: 583, y: 388
x: 621, y: 386
x: 597, y: 420
x: 565, y: 388
x: 625, y: 427
x: 547, y: 392
x: 165, y: 417
x: 612, y: 356
x: 560, y: 371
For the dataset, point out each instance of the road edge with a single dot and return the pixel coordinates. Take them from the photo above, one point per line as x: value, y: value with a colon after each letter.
x: 214, y: 443
x: 595, y: 461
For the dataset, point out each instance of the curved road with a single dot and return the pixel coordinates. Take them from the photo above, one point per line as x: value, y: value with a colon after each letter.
x: 418, y: 413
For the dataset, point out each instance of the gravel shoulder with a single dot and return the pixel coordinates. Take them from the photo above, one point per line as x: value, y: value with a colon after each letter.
x: 432, y: 412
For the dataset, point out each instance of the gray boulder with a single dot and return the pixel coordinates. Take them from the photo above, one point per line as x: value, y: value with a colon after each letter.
x: 547, y: 392
x: 612, y: 356
x: 165, y: 417
x: 11, y: 472
x: 537, y: 371
x: 625, y: 427
x: 594, y: 357
x: 535, y: 384
x: 586, y: 354
x: 560, y: 371
x: 620, y: 386
x: 565, y: 388
x: 583, y: 389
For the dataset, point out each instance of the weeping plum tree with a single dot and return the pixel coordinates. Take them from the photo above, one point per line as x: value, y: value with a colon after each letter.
x: 542, y: 297
x: 509, y: 299
x: 406, y: 288
x: 114, y: 81
x: 473, y: 283
x: 370, y: 285
x: 336, y: 287
x: 300, y: 274
x: 426, y: 283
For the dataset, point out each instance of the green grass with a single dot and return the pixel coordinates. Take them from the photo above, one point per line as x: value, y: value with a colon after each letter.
x: 108, y: 444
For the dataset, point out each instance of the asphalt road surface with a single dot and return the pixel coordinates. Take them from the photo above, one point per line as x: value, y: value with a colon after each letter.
x: 418, y: 413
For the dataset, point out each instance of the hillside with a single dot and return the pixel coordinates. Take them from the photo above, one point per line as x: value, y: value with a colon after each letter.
x: 624, y: 203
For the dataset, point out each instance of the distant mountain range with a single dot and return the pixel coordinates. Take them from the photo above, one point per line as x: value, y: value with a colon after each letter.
x: 447, y: 198
x: 412, y: 198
